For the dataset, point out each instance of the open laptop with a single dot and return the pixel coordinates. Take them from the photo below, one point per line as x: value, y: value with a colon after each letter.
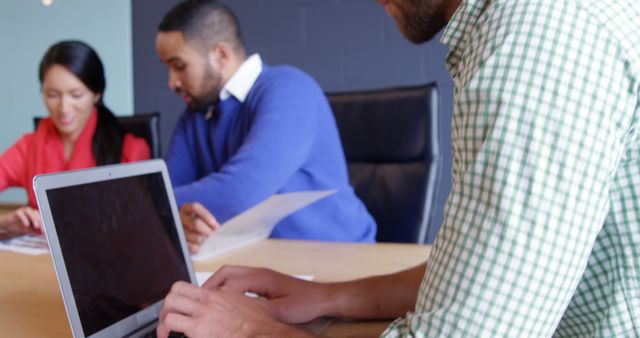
x: 117, y: 245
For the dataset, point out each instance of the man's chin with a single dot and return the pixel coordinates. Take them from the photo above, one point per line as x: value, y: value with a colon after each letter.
x: 202, y: 107
x: 417, y: 36
x: 194, y: 107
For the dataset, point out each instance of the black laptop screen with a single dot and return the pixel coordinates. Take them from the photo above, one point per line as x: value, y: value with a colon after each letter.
x: 120, y: 246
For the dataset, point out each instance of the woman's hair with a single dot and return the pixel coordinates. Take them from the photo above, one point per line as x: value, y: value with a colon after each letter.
x: 83, y: 62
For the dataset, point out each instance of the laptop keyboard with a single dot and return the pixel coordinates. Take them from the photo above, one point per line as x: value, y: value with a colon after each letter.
x: 172, y: 334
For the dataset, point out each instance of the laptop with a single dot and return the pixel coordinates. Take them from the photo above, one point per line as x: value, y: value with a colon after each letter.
x: 117, y: 245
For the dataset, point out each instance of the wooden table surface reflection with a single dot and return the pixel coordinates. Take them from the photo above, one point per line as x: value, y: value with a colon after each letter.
x: 31, y: 304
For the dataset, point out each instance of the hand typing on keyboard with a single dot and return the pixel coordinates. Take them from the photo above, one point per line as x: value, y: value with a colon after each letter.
x: 208, y: 312
x: 172, y: 334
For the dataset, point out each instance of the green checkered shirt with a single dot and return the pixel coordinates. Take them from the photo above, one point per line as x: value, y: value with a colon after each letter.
x: 542, y: 230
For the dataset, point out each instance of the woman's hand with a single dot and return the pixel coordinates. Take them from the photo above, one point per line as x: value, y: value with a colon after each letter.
x: 23, y: 220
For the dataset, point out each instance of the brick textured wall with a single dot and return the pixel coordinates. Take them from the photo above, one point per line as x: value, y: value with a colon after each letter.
x: 343, y: 44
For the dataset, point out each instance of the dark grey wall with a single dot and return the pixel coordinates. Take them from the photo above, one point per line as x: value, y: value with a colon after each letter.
x: 344, y: 44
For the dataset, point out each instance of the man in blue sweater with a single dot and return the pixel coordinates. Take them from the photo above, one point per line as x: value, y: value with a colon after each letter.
x: 250, y: 131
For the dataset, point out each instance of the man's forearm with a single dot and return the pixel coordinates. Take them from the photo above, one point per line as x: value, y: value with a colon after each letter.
x: 377, y: 297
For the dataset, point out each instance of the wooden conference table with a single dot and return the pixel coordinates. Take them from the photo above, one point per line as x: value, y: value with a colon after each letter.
x: 31, y: 304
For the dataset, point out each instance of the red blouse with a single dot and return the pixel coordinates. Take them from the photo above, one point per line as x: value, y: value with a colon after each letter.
x: 42, y: 152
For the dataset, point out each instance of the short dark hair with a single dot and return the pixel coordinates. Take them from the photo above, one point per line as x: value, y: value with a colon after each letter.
x: 203, y: 24
x: 83, y: 62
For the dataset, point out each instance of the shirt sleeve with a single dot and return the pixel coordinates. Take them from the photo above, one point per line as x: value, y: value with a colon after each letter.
x: 541, y: 117
x: 181, y: 158
x: 13, y: 164
x: 134, y: 149
x: 277, y: 145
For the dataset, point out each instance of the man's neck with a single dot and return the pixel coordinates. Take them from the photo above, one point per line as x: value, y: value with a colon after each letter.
x: 452, y: 6
x: 235, y: 63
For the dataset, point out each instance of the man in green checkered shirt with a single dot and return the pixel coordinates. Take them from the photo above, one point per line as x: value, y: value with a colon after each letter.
x: 542, y: 229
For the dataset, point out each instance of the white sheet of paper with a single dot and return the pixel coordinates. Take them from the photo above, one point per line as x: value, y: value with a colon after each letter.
x: 26, y: 244
x: 257, y: 223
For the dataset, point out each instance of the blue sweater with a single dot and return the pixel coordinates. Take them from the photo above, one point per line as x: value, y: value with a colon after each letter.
x: 282, y: 139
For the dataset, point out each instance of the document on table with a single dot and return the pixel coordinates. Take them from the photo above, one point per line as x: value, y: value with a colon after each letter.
x: 257, y: 223
x: 26, y: 244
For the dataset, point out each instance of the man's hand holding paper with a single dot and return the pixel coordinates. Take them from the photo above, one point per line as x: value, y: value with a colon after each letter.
x: 198, y: 224
x: 207, y: 238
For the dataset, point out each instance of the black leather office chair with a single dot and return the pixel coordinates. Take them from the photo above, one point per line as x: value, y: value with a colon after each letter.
x: 390, y: 140
x: 145, y: 125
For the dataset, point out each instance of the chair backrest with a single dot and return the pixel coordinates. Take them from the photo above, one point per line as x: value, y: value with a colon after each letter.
x: 390, y: 140
x: 145, y: 125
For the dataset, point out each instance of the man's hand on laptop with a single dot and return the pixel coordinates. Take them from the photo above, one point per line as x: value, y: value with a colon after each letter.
x: 291, y: 299
x: 202, y: 313
x: 198, y: 223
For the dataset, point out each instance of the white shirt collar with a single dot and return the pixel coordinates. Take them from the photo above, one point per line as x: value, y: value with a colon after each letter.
x: 242, y: 81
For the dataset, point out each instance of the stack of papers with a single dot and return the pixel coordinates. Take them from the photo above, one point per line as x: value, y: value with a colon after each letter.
x: 26, y: 244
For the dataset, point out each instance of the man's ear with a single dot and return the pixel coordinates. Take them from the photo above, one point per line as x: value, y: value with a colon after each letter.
x: 221, y: 55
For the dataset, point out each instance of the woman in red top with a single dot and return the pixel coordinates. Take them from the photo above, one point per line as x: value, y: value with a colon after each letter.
x: 80, y: 131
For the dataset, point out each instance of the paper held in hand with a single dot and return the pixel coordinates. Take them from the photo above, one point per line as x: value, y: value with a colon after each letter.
x: 257, y: 223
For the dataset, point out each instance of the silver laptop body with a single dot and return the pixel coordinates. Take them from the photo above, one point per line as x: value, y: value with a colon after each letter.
x: 117, y: 245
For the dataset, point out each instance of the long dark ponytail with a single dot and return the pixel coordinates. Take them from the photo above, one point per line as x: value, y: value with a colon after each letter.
x: 81, y: 60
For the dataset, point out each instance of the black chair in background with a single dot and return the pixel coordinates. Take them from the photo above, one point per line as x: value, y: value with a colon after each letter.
x: 146, y: 126
x: 390, y: 140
